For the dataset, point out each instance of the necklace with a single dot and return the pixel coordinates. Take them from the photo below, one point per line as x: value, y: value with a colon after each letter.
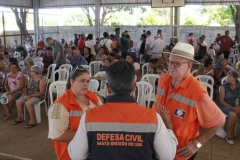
x: 13, y: 75
x: 85, y: 106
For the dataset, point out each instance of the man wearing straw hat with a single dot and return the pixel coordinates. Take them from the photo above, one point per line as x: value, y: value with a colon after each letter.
x: 188, y: 103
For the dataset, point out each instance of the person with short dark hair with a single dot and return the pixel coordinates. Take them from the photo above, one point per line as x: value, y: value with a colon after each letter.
x: 78, y: 59
x: 101, y: 55
x: 148, y: 52
x: 58, y: 53
x: 112, y: 56
x: 142, y: 48
x: 201, y: 49
x: 106, y: 43
x: 208, y: 68
x: 117, y: 38
x: 160, y: 70
x: 65, y: 113
x: 225, y: 44
x: 107, y: 63
x: 47, y: 59
x: 14, y: 84
x: 87, y: 55
x: 153, y: 66
x: 75, y: 40
x: 115, y: 122
x: 90, y: 43
x: 81, y: 43
x: 114, y: 42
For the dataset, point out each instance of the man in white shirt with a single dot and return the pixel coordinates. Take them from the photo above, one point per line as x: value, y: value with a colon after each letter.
x: 90, y: 44
x: 149, y: 41
x: 121, y: 128
x: 157, y: 47
x: 106, y: 41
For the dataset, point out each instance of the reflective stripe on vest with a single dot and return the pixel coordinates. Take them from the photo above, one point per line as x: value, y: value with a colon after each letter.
x: 184, y: 100
x: 123, y: 127
x: 160, y: 91
x: 75, y: 113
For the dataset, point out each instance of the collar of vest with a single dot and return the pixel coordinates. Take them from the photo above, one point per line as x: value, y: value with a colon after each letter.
x: 121, y: 98
x: 184, y: 83
x: 90, y: 95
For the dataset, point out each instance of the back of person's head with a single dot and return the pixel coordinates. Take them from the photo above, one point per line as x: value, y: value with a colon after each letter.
x: 73, y: 47
x: 36, y: 69
x: 75, y: 35
x: 208, y: 62
x: 123, y: 34
x: 219, y: 53
x: 112, y: 36
x: 201, y: 39
x: 160, y: 67
x: 153, y: 61
x: 144, y: 36
x: 190, y: 34
x: 78, y: 71
x: 49, y: 38
x: 105, y: 35
x: 121, y: 78
x: 233, y: 73
x: 175, y: 40
x: 6, y: 53
x: 211, y: 47
x: 127, y: 36
x: 112, y: 55
x: 13, y: 60
x: 148, y: 33
x: 90, y: 36
x: 49, y: 48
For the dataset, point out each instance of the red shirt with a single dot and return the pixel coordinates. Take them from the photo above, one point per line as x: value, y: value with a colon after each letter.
x: 225, y: 43
x: 81, y: 44
x: 41, y: 44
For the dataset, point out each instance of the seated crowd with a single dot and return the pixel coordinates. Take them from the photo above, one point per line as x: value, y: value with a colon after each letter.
x: 26, y: 86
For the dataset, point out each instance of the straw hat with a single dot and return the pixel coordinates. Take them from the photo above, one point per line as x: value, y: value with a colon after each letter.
x: 184, y: 50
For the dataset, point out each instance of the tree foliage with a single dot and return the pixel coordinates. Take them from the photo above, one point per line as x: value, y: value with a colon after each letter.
x: 76, y: 19
x: 107, y: 13
x: 21, y: 18
x: 157, y: 16
x: 220, y: 14
x: 190, y: 21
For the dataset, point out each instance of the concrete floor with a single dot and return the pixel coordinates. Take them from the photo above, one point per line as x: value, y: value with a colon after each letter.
x: 18, y: 143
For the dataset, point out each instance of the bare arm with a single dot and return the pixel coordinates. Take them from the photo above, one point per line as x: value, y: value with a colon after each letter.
x: 58, y: 57
x: 197, y: 49
x: 42, y: 87
x: 222, y: 97
x: 67, y: 136
x: 137, y: 72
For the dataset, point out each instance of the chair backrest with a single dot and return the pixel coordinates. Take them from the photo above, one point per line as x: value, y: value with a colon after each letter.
x: 205, y: 78
x: 27, y: 78
x: 224, y: 80
x: 194, y: 72
x: 95, y: 66
x: 66, y: 66
x: 237, y: 64
x: 63, y: 75
x: 144, y: 88
x: 151, y: 78
x: 208, y: 87
x: 67, y: 61
x: 93, y: 85
x: 39, y: 59
x: 146, y: 65
x: 50, y: 70
x: 59, y: 86
x: 40, y: 65
x: 88, y: 68
x: 103, y: 82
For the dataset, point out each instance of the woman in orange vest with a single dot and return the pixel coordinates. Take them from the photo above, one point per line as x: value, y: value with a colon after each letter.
x: 66, y: 111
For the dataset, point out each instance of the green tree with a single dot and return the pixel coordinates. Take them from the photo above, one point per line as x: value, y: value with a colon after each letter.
x: 190, y: 21
x: 157, y: 16
x: 224, y: 15
x: 21, y: 18
x: 107, y: 13
x: 76, y: 19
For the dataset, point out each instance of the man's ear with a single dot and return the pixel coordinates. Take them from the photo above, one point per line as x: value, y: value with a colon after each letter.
x: 108, y: 89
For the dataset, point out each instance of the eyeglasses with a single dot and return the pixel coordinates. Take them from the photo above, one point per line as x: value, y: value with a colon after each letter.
x: 81, y: 68
x: 175, y: 64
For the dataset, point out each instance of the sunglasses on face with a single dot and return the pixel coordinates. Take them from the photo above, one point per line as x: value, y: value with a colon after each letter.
x: 175, y: 64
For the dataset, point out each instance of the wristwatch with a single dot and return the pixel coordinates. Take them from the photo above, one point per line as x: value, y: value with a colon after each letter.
x: 198, y: 144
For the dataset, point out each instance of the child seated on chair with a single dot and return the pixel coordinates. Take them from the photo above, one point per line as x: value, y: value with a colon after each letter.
x: 47, y: 60
x: 32, y: 95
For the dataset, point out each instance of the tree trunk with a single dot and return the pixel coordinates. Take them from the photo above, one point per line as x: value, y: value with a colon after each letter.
x: 21, y: 19
x: 87, y: 13
x: 237, y: 22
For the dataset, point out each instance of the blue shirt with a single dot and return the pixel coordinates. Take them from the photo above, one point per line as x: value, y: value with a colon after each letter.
x: 77, y: 61
x: 76, y: 42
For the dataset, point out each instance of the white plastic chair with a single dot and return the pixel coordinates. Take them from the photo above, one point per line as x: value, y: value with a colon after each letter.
x: 146, y: 65
x: 237, y: 64
x: 39, y: 59
x: 27, y: 78
x: 67, y: 61
x: 38, y: 105
x: 67, y: 67
x: 205, y: 78
x: 93, y: 85
x: 194, y: 72
x: 21, y: 64
x: 40, y: 65
x: 63, y: 75
x: 50, y: 70
x: 58, y: 87
x: 151, y: 78
x: 102, y: 91
x: 224, y: 80
x: 95, y: 67
x: 207, y: 86
x: 143, y: 90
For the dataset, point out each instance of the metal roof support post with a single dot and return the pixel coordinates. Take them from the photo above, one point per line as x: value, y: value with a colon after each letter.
x: 177, y: 21
x: 36, y: 21
x: 97, y: 18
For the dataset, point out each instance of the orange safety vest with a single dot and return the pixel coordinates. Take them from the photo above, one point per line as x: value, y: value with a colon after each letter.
x: 181, y: 105
x: 75, y: 113
x: 121, y: 130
